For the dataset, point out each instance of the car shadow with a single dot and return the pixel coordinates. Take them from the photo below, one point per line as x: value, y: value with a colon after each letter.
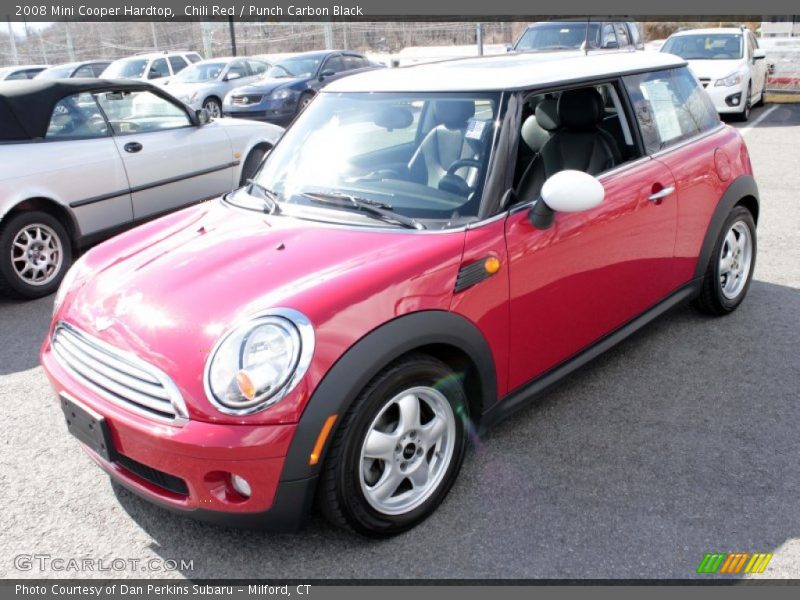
x: 23, y: 327
x: 678, y: 442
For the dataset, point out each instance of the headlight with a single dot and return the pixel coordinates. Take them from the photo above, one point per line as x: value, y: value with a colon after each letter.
x: 730, y: 80
x: 257, y: 363
x: 66, y: 283
x: 281, y: 94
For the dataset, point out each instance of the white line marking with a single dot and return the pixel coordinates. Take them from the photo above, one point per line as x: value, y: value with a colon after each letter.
x: 763, y: 116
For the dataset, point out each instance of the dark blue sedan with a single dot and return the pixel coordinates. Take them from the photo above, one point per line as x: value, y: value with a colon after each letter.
x: 290, y: 84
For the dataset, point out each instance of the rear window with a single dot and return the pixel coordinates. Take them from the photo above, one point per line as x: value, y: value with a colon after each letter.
x: 670, y: 106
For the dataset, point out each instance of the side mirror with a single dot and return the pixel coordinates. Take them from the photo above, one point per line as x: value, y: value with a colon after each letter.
x: 233, y: 75
x: 326, y: 73
x: 203, y: 117
x: 566, y: 191
x: 759, y: 54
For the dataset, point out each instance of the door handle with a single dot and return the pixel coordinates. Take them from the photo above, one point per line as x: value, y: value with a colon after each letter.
x: 132, y: 147
x: 661, y: 194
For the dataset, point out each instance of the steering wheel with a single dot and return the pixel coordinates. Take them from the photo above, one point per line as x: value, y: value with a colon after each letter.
x: 461, y: 163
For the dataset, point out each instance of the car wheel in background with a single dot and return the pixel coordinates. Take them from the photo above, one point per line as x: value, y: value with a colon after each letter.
x: 763, y: 97
x: 305, y: 100
x: 214, y: 107
x: 745, y: 114
x: 730, y: 270
x: 252, y: 162
x: 35, y: 253
x: 398, y: 449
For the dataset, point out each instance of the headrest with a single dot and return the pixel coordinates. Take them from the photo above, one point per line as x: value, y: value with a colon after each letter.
x: 581, y: 108
x: 453, y: 114
x: 547, y: 114
x: 533, y: 134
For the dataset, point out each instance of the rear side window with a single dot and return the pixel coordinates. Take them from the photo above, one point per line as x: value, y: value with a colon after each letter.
x: 670, y: 106
x: 622, y: 35
x: 194, y: 57
x: 636, y: 38
x: 84, y: 71
x: 177, y: 63
x: 334, y: 63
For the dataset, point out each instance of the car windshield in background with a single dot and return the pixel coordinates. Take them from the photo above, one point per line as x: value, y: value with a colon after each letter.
x: 559, y: 36
x: 715, y: 46
x: 201, y: 72
x: 294, y: 67
x: 132, y: 69
x: 56, y: 72
x: 420, y: 156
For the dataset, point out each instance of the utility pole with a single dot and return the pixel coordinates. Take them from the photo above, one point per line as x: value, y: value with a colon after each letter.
x: 328, y: 35
x: 479, y: 38
x: 233, y: 36
x: 42, y: 48
x: 12, y: 41
x: 208, y: 47
x: 70, y: 49
x: 153, y: 31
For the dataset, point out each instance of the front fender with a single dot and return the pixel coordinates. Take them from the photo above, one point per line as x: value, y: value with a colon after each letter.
x: 366, y: 358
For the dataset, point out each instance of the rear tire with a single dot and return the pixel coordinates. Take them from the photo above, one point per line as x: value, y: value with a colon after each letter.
x: 35, y: 253
x: 730, y: 270
x: 398, y: 449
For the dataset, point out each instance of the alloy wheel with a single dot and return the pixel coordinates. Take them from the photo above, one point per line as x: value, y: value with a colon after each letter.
x: 407, y: 450
x: 735, y: 259
x: 37, y: 254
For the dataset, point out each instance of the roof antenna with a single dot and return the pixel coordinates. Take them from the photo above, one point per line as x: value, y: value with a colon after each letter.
x: 586, y: 39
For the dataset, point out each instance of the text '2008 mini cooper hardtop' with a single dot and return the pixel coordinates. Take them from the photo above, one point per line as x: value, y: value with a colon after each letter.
x: 411, y: 261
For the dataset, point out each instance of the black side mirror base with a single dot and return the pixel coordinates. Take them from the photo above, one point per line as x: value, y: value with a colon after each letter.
x: 541, y: 216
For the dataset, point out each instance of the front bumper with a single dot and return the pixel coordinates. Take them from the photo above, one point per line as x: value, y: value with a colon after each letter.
x: 727, y: 99
x: 188, y: 468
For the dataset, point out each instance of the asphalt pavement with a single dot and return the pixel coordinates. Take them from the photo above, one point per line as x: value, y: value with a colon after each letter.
x: 680, y: 441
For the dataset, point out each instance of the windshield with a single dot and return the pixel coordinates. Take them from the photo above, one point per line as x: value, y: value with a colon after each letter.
x: 420, y: 156
x: 132, y: 68
x: 715, y: 46
x: 56, y: 72
x: 200, y: 72
x: 560, y: 36
x: 294, y: 67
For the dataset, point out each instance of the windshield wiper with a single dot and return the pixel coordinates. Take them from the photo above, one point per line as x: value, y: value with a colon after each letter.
x: 374, y: 208
x: 270, y: 198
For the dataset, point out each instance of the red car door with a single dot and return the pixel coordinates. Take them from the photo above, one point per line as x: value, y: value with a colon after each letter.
x: 591, y: 271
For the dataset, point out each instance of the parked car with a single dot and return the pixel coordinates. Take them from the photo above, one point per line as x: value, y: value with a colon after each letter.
x: 88, y: 69
x: 82, y: 160
x: 547, y: 36
x: 729, y: 64
x: 151, y: 65
x: 423, y: 252
x: 290, y: 84
x: 205, y: 83
x: 21, y: 72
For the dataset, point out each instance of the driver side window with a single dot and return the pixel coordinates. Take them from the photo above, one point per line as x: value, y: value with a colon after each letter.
x: 138, y: 112
x: 77, y: 117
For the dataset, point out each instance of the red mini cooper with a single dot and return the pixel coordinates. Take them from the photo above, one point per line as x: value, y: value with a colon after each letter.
x: 423, y: 252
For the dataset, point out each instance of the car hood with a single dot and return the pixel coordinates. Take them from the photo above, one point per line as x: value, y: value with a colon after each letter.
x: 168, y: 290
x: 264, y: 86
x: 714, y: 69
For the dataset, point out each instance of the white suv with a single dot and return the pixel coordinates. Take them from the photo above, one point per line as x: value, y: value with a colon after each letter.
x: 729, y: 64
x: 149, y: 66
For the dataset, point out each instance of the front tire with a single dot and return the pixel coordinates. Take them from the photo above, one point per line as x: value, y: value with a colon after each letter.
x: 214, y: 107
x: 762, y: 98
x: 730, y: 269
x: 745, y: 114
x: 398, y: 449
x: 252, y: 163
x: 35, y: 253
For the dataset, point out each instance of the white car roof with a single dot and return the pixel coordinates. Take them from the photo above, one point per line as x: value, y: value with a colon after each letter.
x: 503, y: 72
x: 707, y: 31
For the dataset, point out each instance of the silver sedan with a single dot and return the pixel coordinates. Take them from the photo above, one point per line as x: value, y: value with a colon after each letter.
x: 205, y: 83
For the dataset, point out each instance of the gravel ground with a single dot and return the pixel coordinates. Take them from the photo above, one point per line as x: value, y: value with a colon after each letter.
x: 680, y: 441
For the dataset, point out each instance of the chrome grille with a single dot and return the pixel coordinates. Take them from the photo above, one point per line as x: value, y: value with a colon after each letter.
x: 118, y: 376
x: 244, y: 100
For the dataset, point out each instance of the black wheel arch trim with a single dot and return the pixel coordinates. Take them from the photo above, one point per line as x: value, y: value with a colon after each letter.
x: 740, y: 188
x: 365, y: 359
